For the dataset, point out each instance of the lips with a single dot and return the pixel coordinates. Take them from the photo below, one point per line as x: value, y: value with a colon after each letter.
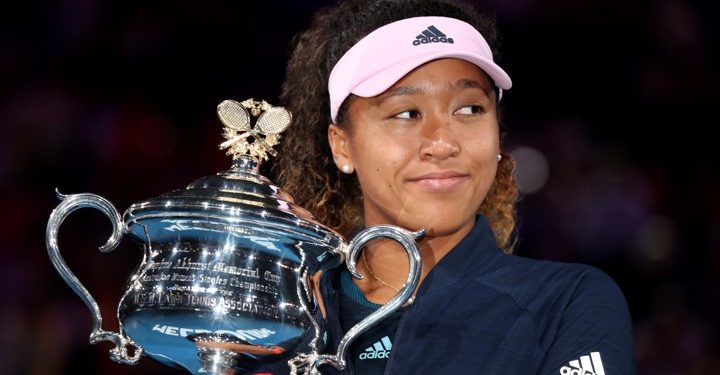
x: 441, y: 180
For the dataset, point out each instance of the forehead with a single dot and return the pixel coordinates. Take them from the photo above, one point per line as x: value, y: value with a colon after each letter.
x: 447, y: 73
x: 450, y: 74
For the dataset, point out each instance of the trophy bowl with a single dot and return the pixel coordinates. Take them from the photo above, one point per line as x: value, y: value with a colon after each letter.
x: 231, y: 275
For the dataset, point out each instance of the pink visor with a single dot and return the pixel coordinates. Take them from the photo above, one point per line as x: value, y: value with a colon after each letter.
x: 387, y: 54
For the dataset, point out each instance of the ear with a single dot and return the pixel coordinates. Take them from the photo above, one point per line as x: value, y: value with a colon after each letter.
x: 338, y: 140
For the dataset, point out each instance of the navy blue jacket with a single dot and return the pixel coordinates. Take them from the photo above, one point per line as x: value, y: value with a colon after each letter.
x: 481, y: 311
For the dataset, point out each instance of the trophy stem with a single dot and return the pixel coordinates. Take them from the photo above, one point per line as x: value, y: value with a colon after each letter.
x: 223, y: 355
x: 217, y: 361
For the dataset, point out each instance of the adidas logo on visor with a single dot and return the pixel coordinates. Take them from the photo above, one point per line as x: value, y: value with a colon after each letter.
x: 432, y: 35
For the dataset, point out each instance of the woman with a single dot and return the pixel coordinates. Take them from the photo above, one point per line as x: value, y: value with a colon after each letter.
x: 396, y: 121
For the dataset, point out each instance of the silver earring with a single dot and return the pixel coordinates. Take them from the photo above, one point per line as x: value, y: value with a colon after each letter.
x: 346, y: 169
x: 499, y: 157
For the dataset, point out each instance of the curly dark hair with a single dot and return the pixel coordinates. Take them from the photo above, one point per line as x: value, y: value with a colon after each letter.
x: 305, y: 167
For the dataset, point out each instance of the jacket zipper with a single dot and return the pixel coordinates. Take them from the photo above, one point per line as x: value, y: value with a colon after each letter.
x: 350, y: 364
x: 398, y: 333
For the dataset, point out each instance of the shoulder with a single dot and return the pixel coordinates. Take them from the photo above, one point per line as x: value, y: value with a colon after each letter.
x: 529, y: 279
x: 555, y: 293
x: 579, y: 279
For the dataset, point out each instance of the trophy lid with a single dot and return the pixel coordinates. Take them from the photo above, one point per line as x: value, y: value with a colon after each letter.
x: 240, y: 197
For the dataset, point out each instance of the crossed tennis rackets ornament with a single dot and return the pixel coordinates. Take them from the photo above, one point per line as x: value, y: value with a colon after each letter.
x: 271, y: 121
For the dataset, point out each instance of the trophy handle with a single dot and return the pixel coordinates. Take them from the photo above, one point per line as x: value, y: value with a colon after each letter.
x: 68, y: 204
x: 407, y: 240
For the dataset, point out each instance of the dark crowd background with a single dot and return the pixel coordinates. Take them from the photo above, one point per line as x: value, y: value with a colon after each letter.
x: 611, y: 116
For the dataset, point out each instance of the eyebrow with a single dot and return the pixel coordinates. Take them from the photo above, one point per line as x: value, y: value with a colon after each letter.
x: 460, y: 84
x: 398, y: 91
x: 470, y: 84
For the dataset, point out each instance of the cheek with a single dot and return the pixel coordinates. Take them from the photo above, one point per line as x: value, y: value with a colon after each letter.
x: 377, y: 153
x: 483, y: 149
x: 378, y: 167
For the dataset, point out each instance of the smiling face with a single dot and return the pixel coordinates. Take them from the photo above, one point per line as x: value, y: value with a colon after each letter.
x: 425, y: 151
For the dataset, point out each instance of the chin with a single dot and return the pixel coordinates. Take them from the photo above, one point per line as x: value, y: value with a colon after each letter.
x: 440, y: 226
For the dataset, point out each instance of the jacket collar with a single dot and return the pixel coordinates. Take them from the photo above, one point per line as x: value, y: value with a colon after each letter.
x: 470, y: 257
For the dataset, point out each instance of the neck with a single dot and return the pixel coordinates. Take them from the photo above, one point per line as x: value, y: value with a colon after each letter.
x: 388, y: 264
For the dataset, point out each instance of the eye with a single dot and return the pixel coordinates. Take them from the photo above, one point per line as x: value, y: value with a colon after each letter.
x: 469, y: 110
x: 409, y: 114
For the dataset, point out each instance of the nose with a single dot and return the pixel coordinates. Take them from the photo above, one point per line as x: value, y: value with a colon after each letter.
x: 438, y: 140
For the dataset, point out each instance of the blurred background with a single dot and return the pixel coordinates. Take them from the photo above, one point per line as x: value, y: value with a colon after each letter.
x: 611, y: 119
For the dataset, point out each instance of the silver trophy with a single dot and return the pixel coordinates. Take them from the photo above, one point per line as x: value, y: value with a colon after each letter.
x: 231, y: 275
